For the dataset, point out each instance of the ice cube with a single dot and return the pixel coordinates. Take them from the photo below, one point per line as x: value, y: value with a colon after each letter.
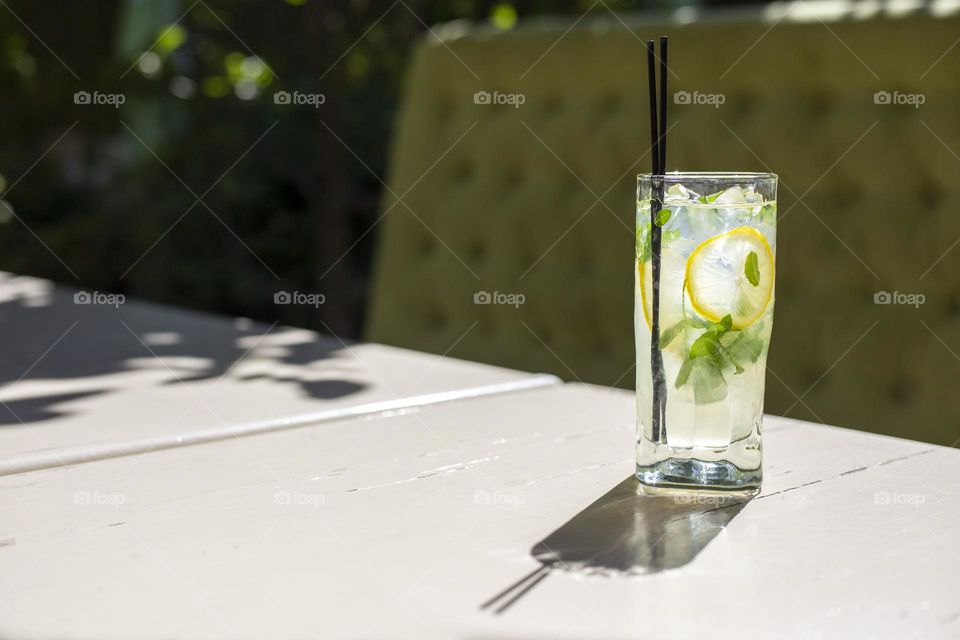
x: 677, y: 190
x: 751, y: 196
x: 733, y: 195
x: 679, y: 193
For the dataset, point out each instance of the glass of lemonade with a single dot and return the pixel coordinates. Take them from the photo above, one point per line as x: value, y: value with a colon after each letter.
x: 700, y: 387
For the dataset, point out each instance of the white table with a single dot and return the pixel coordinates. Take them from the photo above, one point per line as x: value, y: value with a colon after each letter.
x: 402, y: 524
x: 167, y: 474
x: 91, y: 381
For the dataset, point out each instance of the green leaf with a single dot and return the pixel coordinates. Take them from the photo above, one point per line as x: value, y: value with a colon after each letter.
x: 729, y: 360
x: 719, y: 328
x: 745, y: 347
x: 663, y: 216
x: 706, y: 346
x: 708, y: 382
x: 718, y: 349
x: 751, y: 268
x: 668, y: 336
x: 684, y: 373
x: 709, y: 199
x: 729, y: 338
x: 724, y: 361
x: 768, y: 214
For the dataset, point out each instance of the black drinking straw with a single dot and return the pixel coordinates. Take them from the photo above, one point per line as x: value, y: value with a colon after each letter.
x: 663, y: 104
x: 658, y: 153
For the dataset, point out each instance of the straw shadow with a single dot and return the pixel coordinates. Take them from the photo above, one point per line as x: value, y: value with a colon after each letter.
x: 626, y: 533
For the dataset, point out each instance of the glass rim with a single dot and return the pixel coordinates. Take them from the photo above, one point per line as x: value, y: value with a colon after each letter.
x: 675, y: 176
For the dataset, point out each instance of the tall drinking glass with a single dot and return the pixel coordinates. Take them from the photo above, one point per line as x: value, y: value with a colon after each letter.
x: 709, y: 299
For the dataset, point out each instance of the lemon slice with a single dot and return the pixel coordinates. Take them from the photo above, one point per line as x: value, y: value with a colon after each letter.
x: 717, y: 282
x: 643, y: 278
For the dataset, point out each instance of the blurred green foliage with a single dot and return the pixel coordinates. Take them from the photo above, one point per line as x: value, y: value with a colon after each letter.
x: 110, y: 198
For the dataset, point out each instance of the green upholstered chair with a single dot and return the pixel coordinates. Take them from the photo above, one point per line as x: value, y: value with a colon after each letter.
x: 538, y: 198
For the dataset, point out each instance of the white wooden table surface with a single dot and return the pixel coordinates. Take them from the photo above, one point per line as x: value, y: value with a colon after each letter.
x: 88, y: 381
x: 403, y: 524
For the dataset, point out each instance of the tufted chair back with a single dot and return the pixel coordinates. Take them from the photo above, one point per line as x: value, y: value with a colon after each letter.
x: 534, y: 196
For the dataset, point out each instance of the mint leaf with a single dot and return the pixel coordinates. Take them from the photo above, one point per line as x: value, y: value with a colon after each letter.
x: 719, y: 328
x: 684, y: 373
x: 730, y: 360
x: 718, y: 349
x: 724, y: 361
x: 704, y: 371
x: 729, y: 338
x: 709, y: 199
x: 707, y: 380
x: 706, y: 346
x: 663, y: 216
x: 746, y: 347
x: 751, y: 268
x: 768, y: 214
x: 711, y: 350
x: 668, y: 336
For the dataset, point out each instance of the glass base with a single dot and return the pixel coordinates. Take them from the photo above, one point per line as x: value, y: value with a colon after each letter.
x: 682, y: 475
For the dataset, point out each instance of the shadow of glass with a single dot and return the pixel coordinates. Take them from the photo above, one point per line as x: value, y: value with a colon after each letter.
x: 626, y: 532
